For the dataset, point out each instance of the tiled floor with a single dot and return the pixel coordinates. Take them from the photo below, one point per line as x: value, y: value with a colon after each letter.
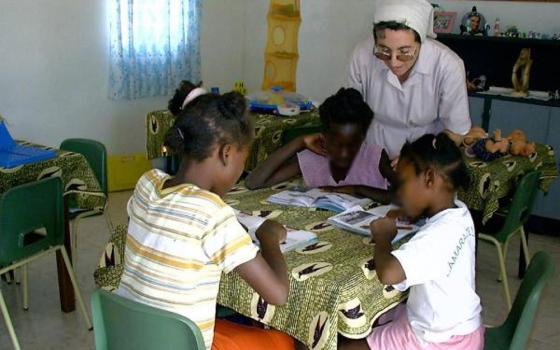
x: 45, y: 327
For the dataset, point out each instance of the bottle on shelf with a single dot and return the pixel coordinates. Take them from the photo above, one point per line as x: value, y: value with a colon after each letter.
x: 497, y: 30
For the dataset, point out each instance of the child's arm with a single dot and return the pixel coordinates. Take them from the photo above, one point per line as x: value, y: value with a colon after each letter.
x: 281, y: 165
x: 389, y: 269
x: 267, y: 272
x: 386, y: 169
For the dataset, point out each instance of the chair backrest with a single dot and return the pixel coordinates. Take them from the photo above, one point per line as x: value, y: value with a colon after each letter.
x: 517, y: 328
x: 290, y: 134
x: 521, y: 205
x: 123, y: 324
x: 96, y: 155
x: 26, y: 208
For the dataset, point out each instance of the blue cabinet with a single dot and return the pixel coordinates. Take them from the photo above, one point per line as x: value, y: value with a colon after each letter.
x: 549, y: 205
x: 476, y: 108
x: 532, y: 119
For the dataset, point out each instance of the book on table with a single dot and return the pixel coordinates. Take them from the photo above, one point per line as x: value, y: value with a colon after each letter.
x: 294, y: 239
x: 316, y: 198
x: 357, y: 220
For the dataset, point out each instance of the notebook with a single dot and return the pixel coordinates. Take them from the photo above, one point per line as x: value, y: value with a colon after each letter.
x: 12, y: 154
x: 294, y: 239
x: 337, y: 202
x: 357, y: 220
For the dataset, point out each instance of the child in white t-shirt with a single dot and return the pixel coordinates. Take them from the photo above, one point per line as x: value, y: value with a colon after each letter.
x: 437, y: 264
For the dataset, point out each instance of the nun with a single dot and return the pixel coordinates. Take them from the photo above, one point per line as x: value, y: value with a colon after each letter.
x: 414, y: 84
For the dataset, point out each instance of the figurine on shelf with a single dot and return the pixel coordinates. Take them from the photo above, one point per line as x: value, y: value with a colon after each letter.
x: 520, y: 74
x: 477, y: 84
x: 497, y: 29
x: 475, y: 24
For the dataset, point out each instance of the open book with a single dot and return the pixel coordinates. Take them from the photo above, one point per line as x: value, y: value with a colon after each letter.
x: 357, y: 220
x: 337, y: 202
x: 294, y: 239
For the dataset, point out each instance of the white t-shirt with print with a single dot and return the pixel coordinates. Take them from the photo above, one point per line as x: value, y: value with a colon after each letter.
x: 439, y: 264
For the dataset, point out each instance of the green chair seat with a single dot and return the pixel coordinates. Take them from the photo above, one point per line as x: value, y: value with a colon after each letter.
x: 514, y: 333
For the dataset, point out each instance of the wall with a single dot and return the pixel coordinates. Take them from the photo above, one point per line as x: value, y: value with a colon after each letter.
x: 329, y: 31
x: 331, y: 28
x: 54, y: 68
x: 539, y: 17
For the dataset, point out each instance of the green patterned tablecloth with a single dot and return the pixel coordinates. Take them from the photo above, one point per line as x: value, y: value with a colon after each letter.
x: 268, y: 133
x: 497, y: 179
x: 80, y: 184
x: 333, y: 285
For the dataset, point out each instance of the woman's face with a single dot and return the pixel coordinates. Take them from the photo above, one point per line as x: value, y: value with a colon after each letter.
x: 398, y: 43
x: 342, y: 143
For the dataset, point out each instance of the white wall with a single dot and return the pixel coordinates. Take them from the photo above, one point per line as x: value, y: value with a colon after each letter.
x: 329, y: 31
x: 54, y: 69
x: 54, y: 60
x: 536, y: 16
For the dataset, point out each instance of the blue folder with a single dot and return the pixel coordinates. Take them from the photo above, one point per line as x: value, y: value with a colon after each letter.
x: 12, y: 154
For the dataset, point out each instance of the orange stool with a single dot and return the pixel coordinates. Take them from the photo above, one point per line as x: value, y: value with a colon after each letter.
x: 233, y: 336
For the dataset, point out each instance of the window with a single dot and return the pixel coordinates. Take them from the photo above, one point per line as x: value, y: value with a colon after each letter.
x: 154, y: 44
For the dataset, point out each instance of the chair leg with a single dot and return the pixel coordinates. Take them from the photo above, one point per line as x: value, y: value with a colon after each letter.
x: 76, y: 288
x: 525, y: 246
x: 17, y: 276
x: 504, y: 274
x: 8, y: 322
x: 504, y: 248
x: 74, y: 240
x: 25, y: 284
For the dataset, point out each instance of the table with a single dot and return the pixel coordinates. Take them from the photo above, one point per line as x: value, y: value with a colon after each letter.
x: 268, y: 133
x: 492, y: 181
x: 80, y: 186
x: 333, y: 285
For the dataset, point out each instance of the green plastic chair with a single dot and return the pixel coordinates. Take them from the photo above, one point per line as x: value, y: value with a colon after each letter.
x: 32, y: 226
x: 290, y: 134
x: 514, y: 333
x: 96, y: 155
x: 515, y: 218
x: 123, y: 324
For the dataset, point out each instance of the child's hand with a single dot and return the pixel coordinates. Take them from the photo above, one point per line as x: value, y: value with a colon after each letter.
x: 271, y: 230
x: 383, y: 229
x: 340, y: 189
x: 315, y: 143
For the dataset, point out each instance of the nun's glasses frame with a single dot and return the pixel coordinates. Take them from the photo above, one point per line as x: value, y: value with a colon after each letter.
x: 386, y: 55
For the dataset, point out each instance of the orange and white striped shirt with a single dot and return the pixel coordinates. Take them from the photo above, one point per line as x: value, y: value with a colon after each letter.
x: 179, y: 242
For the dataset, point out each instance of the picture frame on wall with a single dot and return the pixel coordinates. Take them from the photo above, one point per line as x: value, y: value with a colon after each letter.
x: 444, y: 21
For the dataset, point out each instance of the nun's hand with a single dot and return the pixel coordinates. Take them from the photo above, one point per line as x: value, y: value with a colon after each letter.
x: 315, y: 143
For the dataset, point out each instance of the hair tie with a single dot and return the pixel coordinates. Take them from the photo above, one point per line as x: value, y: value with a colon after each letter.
x: 192, y: 95
x: 180, y: 134
x: 434, y: 142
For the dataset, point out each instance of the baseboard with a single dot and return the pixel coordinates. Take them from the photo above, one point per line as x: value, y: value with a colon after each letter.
x: 543, y: 226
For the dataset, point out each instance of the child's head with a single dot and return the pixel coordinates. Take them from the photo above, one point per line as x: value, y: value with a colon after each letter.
x: 430, y: 170
x: 345, y: 118
x: 214, y: 130
x: 175, y: 105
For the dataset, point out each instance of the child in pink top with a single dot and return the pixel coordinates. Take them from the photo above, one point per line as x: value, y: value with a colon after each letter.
x: 337, y: 159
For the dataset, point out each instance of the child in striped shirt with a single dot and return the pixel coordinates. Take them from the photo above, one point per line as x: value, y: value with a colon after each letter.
x: 182, y: 235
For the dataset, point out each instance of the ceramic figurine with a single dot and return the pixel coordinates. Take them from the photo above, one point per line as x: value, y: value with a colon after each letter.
x: 497, y: 29
x: 521, y: 72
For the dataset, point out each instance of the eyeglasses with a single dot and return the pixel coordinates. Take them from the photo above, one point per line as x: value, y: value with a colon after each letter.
x: 386, y: 55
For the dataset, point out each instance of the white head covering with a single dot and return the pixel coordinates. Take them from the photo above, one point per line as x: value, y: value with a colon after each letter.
x: 416, y: 14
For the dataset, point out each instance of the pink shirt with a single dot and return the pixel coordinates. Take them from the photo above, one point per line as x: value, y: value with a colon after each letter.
x: 364, y: 171
x: 433, y: 98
